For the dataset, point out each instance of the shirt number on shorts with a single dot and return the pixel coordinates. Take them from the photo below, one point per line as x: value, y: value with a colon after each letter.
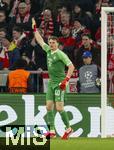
x: 57, y: 92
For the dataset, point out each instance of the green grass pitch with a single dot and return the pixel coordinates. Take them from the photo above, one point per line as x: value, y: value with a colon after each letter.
x: 71, y: 144
x: 82, y: 144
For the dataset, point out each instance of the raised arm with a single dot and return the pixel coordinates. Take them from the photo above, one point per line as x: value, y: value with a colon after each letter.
x: 37, y: 35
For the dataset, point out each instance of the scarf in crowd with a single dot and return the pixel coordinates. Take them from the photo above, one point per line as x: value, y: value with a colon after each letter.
x: 26, y: 18
x: 47, y: 27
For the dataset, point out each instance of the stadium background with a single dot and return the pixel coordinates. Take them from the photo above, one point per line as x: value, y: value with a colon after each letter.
x: 80, y: 101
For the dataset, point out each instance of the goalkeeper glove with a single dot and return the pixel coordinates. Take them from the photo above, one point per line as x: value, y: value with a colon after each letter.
x: 64, y: 83
x: 34, y: 27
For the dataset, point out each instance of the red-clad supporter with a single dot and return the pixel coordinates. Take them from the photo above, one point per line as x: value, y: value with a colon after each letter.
x: 4, y: 58
x: 68, y: 42
x: 66, y: 37
x: 22, y: 18
x: 23, y: 13
x: 47, y: 24
x: 14, y: 9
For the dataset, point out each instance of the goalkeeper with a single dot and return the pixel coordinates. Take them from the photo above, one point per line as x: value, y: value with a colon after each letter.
x: 56, y: 62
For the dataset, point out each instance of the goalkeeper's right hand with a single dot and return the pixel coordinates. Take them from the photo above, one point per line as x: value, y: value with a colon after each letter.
x: 34, y: 27
x: 64, y: 83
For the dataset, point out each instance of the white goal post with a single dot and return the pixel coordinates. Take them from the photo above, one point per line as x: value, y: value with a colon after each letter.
x: 104, y: 12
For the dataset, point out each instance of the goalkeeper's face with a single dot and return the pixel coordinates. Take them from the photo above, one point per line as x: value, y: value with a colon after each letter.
x: 53, y: 44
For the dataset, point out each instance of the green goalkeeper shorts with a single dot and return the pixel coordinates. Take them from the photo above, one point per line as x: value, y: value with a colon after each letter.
x: 55, y: 94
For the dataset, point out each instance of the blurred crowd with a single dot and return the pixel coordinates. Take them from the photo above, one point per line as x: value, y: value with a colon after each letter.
x: 76, y: 23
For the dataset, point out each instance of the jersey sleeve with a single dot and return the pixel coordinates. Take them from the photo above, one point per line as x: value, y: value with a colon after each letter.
x: 46, y: 48
x: 64, y: 58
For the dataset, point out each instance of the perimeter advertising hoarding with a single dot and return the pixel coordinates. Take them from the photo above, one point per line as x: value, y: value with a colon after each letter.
x: 83, y: 110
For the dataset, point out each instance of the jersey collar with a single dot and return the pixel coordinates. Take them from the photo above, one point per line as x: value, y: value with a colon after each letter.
x: 53, y: 52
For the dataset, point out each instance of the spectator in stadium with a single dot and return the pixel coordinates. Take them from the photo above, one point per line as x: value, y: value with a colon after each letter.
x: 3, y: 20
x: 89, y: 75
x: 39, y: 56
x: 3, y: 33
x: 78, y: 29
x: 80, y: 14
x: 97, y: 16
x: 30, y: 64
x: 21, y: 42
x: 4, y: 6
x: 13, y: 50
x: 86, y: 5
x: 88, y: 44
x: 58, y: 82
x: 53, y: 5
x: 19, y: 80
x: 68, y: 42
x: 4, y: 58
x: 65, y: 20
x: 22, y: 18
x: 48, y: 25
x: 61, y: 10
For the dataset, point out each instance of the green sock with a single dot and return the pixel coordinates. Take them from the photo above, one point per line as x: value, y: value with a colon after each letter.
x: 65, y: 118
x: 50, y: 119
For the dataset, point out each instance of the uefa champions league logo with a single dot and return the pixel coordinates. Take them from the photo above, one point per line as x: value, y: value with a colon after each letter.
x: 88, y: 75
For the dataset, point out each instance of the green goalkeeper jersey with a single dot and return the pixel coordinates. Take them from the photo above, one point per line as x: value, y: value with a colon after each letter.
x: 56, y: 62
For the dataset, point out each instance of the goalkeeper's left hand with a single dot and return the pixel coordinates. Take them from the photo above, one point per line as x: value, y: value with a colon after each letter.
x: 64, y: 83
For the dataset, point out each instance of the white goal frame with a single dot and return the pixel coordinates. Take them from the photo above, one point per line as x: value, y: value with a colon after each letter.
x: 104, y: 12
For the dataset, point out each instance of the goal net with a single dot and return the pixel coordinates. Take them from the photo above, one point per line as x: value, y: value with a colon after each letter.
x: 107, y: 71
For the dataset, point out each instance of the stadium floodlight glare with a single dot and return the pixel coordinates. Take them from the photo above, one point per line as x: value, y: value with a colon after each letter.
x: 105, y: 11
